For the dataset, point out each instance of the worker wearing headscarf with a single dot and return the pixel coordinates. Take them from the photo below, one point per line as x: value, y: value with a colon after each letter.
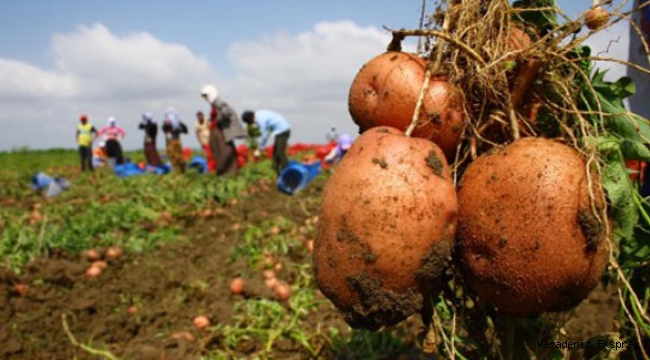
x: 225, y: 127
x: 173, y: 127
x: 86, y: 135
x: 148, y: 124
x: 202, y: 130
x: 342, y: 146
x: 332, y: 136
x: 113, y: 135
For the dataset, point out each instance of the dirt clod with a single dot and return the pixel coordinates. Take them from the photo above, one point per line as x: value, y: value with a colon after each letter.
x: 590, y: 228
x: 434, y: 162
x: 379, y: 306
x: 380, y: 162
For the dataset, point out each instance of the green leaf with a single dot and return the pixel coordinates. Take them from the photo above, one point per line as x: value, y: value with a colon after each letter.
x: 624, y: 87
x: 636, y: 250
x: 543, y: 20
x: 627, y: 137
x: 633, y: 150
x: 598, y: 79
x: 583, y: 53
x: 626, y: 125
x: 620, y: 190
x: 617, y: 119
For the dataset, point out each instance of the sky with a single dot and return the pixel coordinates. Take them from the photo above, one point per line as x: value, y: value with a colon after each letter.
x: 60, y: 59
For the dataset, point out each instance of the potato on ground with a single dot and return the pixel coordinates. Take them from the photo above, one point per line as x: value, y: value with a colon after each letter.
x: 386, y: 90
x: 529, y: 235
x: 387, y: 223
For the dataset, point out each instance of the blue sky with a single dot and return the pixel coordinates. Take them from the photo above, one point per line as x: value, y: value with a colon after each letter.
x: 59, y: 59
x: 206, y: 27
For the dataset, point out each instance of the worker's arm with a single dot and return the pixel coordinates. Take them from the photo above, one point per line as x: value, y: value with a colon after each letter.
x: 332, y: 155
x: 264, y: 136
x: 197, y: 131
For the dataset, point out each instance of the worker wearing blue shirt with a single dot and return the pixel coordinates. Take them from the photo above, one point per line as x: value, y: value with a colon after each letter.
x: 271, y: 124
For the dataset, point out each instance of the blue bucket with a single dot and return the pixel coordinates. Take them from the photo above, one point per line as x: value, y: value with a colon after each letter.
x: 165, y: 168
x: 52, y: 186
x: 40, y: 181
x: 127, y: 169
x: 296, y: 176
x: 200, y: 164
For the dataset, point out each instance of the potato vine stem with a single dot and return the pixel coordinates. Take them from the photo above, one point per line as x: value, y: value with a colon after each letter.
x: 418, y: 105
x: 88, y: 349
x: 443, y: 35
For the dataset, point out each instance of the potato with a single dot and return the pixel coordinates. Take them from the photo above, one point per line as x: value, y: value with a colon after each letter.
x: 596, y: 18
x: 385, y: 92
x: 386, y: 228
x: 528, y: 240
x: 517, y: 39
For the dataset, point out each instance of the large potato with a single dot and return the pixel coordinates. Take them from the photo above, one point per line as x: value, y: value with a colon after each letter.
x: 528, y: 238
x: 385, y: 92
x: 386, y: 228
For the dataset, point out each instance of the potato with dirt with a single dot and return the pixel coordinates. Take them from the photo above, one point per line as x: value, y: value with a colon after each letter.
x: 385, y: 92
x: 386, y: 228
x: 532, y: 234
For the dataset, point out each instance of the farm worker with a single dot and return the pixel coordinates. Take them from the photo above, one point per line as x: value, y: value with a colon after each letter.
x: 173, y: 127
x: 86, y: 135
x: 271, y: 124
x: 341, y: 148
x: 113, y: 135
x: 99, y: 155
x: 202, y: 129
x: 332, y: 136
x: 150, y: 128
x: 225, y: 127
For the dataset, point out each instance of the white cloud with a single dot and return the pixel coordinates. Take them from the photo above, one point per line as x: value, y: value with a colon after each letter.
x: 305, y: 76
x: 137, y: 66
x: 101, y: 74
x: 19, y: 80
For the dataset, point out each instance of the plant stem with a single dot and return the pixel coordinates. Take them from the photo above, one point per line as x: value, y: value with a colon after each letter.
x: 429, y: 341
x: 513, y: 124
x: 421, y: 25
x: 525, y: 77
x: 510, y: 338
x: 445, y: 36
x: 90, y: 350
x: 418, y: 105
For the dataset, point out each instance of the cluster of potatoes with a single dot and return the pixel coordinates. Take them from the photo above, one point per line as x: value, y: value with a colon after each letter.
x: 523, y: 225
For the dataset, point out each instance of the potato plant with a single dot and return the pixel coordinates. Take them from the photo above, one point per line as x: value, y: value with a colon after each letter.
x: 537, y: 146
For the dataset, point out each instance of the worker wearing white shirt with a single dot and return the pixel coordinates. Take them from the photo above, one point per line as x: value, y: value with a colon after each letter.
x: 272, y: 124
